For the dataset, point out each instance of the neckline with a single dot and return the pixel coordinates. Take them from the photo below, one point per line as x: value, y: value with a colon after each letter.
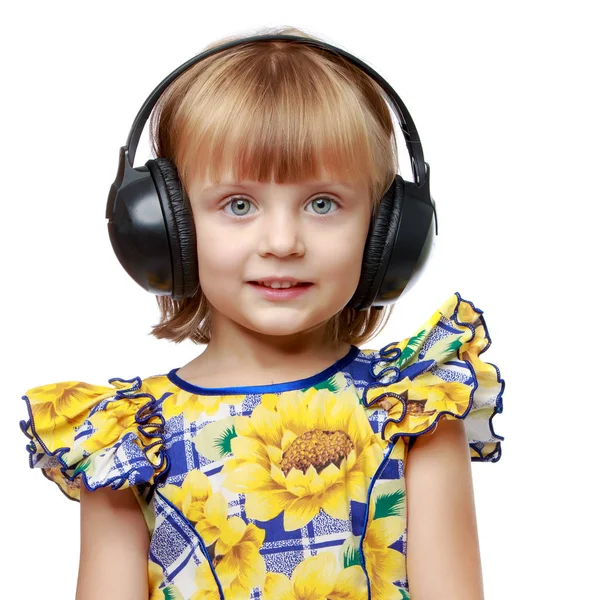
x: 266, y: 388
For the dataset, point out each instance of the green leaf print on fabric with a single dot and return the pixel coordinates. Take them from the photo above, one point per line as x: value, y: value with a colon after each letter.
x: 335, y: 383
x: 444, y: 349
x: 412, y: 347
x: 351, y: 557
x: 389, y: 505
x: 223, y: 442
x: 83, y: 466
x: 214, y: 440
x: 171, y: 593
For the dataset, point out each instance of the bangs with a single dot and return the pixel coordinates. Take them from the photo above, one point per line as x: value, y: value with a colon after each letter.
x: 277, y: 116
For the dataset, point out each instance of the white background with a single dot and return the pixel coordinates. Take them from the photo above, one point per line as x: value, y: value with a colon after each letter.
x: 504, y: 96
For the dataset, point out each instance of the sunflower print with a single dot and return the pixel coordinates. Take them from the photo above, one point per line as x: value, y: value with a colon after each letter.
x: 289, y: 491
x: 301, y: 452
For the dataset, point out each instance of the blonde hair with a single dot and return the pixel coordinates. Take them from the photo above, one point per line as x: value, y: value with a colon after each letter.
x: 274, y: 110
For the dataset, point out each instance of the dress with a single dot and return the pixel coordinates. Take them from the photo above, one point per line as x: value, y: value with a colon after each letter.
x: 262, y: 492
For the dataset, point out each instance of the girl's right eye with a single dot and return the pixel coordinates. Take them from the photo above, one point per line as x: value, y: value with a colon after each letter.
x: 238, y: 203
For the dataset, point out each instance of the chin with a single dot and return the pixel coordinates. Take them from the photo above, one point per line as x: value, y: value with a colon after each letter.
x: 278, y: 324
x: 278, y: 329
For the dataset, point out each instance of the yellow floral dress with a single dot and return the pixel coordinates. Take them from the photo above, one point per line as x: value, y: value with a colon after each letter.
x: 291, y: 491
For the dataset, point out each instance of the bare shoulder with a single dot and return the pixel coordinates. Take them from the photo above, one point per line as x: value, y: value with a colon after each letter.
x: 114, y: 546
x: 442, y: 543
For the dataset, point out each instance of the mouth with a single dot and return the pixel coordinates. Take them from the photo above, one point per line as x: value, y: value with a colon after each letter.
x: 282, y: 287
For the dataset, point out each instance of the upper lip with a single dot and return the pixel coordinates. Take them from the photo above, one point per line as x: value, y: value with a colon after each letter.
x: 279, y: 279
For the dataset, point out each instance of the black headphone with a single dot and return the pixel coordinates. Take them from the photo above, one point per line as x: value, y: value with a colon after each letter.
x: 151, y: 226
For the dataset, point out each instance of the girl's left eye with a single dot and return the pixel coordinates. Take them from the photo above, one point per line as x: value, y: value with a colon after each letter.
x: 322, y: 203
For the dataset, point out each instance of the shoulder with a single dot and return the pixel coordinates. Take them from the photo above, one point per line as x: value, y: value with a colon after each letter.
x: 439, y: 458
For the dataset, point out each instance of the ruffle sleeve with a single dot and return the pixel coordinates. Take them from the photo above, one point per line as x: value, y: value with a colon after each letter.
x: 99, y: 435
x: 438, y: 374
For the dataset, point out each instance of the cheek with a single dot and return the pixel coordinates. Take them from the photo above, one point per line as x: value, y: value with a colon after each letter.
x: 343, y: 252
x: 215, y: 254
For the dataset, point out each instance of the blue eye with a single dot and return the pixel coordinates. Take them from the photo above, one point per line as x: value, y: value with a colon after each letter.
x: 238, y: 203
x: 323, y: 205
x: 324, y: 202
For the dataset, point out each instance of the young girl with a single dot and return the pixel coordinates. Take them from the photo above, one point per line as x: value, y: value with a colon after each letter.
x: 276, y: 463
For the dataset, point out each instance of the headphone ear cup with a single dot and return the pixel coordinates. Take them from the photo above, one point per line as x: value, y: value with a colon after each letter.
x: 379, y: 245
x: 179, y: 222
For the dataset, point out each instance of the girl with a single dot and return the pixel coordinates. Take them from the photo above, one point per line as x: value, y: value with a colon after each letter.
x: 276, y: 463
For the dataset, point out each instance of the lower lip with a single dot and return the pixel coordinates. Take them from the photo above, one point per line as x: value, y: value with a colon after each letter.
x: 281, y: 293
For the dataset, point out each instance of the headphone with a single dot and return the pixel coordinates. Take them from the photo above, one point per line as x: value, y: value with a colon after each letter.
x: 151, y: 225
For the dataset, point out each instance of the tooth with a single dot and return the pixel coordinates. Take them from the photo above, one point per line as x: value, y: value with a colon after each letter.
x: 278, y: 285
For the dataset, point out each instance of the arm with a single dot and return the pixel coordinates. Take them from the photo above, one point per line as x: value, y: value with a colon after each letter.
x: 443, y: 560
x: 114, y: 546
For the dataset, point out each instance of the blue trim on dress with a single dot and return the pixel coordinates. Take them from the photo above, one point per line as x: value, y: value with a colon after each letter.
x: 380, y: 468
x: 202, y: 544
x: 271, y: 388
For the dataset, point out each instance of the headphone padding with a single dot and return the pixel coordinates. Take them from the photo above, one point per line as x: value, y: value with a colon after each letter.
x: 179, y: 221
x: 379, y: 245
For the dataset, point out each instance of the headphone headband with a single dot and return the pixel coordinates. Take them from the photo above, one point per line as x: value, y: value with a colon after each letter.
x: 407, y: 125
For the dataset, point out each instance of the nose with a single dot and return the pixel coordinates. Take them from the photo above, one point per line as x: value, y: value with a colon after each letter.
x: 282, y: 233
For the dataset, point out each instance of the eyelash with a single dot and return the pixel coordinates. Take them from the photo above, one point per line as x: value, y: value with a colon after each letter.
x: 234, y: 198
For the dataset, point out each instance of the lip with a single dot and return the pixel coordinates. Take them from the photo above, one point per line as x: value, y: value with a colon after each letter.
x: 280, y: 293
x: 277, y: 279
